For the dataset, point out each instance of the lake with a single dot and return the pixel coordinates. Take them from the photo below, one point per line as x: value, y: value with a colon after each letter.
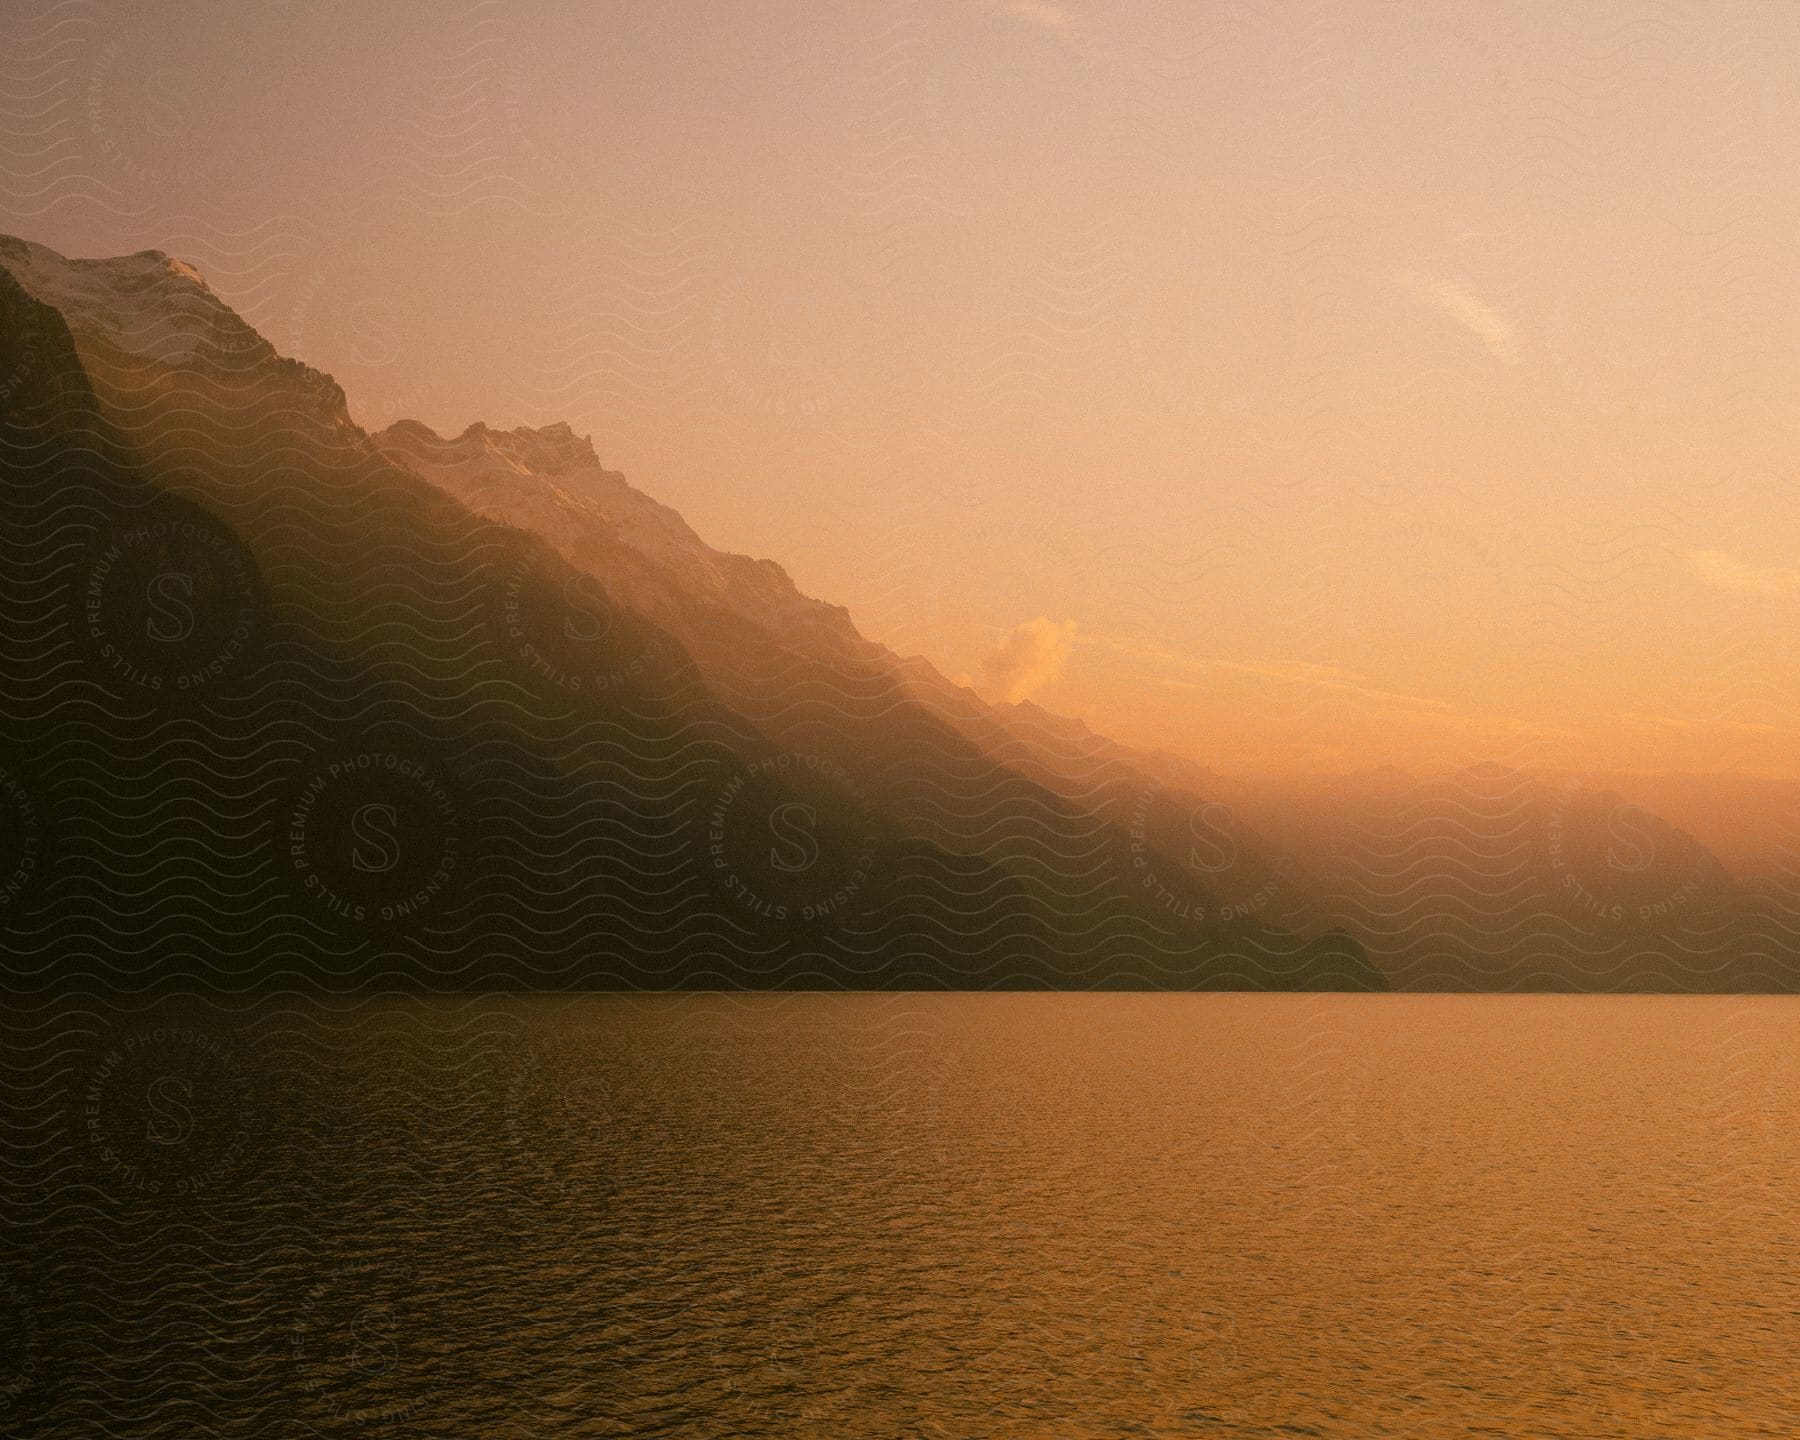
x: 904, y: 1216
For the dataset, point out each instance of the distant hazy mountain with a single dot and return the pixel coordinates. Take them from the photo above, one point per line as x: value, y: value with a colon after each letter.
x: 285, y: 700
x: 284, y: 697
x: 1489, y: 878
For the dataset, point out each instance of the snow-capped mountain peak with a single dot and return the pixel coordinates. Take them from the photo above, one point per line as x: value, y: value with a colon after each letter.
x: 145, y: 304
x: 151, y: 307
x: 549, y: 480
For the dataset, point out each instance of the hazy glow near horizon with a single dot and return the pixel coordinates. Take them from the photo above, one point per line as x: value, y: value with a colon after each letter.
x: 1303, y: 386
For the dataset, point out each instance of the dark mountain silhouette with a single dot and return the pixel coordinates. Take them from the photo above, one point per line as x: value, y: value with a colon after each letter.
x: 1045, y: 796
x: 281, y: 706
x: 1487, y: 879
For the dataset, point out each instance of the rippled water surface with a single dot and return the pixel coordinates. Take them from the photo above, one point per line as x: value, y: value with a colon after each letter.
x: 962, y: 1216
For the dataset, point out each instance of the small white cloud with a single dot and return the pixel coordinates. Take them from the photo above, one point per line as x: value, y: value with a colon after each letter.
x: 1723, y: 572
x: 1029, y: 658
x: 1467, y: 309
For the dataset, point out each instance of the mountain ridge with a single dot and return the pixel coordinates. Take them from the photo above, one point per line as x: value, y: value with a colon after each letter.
x: 502, y: 587
x: 575, y: 782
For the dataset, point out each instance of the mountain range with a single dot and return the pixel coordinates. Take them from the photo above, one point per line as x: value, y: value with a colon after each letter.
x: 287, y: 701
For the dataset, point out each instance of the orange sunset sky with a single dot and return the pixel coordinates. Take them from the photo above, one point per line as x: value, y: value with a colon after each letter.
x: 1310, y: 386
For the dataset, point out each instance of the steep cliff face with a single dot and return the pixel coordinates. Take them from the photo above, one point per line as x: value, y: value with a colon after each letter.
x: 551, y: 482
x: 487, y: 716
x: 216, y: 580
x: 1043, y: 791
x: 152, y: 309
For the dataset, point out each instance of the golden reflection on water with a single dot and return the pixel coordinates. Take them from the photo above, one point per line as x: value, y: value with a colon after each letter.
x: 1215, y: 1215
x: 830, y: 1216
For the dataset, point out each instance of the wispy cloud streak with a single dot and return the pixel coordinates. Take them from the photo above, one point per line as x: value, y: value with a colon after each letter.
x: 1460, y: 304
x: 1724, y: 572
x: 1057, y: 21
